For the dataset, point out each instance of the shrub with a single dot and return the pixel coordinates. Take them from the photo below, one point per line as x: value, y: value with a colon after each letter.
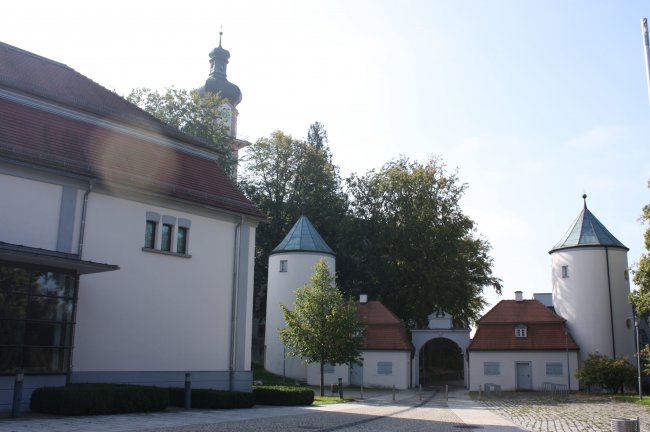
x: 212, y: 399
x: 599, y: 369
x: 282, y: 395
x: 93, y: 399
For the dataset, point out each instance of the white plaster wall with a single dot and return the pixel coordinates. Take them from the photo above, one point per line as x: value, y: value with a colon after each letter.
x: 507, y: 379
x: 30, y: 212
x: 280, y: 290
x: 158, y: 312
x: 401, y: 369
x: 340, y: 371
x: 250, y: 297
x: 583, y: 299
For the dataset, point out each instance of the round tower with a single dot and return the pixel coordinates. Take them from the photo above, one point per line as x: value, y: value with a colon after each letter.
x: 291, y: 265
x: 591, y: 287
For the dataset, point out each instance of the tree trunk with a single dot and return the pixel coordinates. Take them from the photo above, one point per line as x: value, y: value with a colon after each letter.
x: 322, y: 381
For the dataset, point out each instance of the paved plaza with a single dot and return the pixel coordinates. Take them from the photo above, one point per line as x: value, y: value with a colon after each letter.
x: 409, y: 411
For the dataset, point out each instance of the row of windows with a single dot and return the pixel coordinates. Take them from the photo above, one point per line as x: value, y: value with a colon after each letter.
x: 36, y: 318
x: 494, y: 368
x: 565, y: 273
x: 383, y: 368
x: 167, y: 233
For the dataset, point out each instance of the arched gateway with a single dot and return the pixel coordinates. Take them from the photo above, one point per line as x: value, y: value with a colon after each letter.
x: 440, y: 327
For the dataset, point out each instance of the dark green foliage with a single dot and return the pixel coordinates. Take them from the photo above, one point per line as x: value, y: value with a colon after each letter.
x: 212, y: 399
x: 94, y: 399
x: 283, y: 396
x: 613, y: 374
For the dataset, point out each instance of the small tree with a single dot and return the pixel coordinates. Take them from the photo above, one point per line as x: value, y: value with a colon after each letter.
x: 322, y: 327
x: 614, y: 374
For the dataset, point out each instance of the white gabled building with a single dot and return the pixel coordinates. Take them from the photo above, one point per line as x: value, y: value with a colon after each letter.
x: 126, y: 252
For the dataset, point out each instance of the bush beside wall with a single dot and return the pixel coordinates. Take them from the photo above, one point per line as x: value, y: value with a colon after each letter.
x: 93, y: 399
x: 212, y: 399
x: 282, y: 395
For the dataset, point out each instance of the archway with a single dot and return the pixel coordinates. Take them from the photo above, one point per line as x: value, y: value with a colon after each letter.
x: 441, y: 362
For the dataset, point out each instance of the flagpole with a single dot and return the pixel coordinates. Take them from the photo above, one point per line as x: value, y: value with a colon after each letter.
x: 646, y: 51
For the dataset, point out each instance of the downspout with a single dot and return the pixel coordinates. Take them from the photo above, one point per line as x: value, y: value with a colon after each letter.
x: 234, y: 304
x: 611, y: 308
x: 80, y: 246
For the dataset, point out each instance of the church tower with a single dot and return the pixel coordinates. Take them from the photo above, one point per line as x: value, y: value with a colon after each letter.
x: 217, y: 82
x: 591, y: 287
x: 291, y: 265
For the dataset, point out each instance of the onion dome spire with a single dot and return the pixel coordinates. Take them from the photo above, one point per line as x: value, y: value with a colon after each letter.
x: 218, y: 82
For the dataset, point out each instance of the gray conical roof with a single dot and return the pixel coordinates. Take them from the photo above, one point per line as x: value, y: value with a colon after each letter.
x: 586, y: 230
x: 303, y: 237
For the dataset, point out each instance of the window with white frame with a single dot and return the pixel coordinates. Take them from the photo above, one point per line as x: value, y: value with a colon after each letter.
x: 491, y: 368
x: 565, y: 271
x: 521, y: 331
x: 554, y: 368
x: 284, y: 265
x: 166, y: 234
x: 384, y: 368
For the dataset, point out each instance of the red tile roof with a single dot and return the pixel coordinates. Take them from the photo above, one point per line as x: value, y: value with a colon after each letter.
x: 545, y: 329
x: 384, y: 331
x: 89, y: 146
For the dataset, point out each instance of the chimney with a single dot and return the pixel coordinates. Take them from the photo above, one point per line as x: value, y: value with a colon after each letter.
x: 363, y: 298
x: 519, y: 296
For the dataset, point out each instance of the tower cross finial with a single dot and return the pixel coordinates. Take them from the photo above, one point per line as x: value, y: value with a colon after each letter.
x: 220, y: 34
x: 584, y: 198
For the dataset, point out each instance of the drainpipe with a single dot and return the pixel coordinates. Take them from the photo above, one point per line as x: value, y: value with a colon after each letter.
x: 611, y: 307
x: 234, y: 304
x: 82, y: 227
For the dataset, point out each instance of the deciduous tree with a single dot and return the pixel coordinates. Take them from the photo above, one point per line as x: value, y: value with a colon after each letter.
x: 322, y: 326
x: 641, y: 298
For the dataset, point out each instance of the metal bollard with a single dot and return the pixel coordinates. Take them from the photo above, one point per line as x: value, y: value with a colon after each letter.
x: 420, y: 392
x: 480, y: 391
x: 361, y: 391
x: 446, y: 392
x: 188, y: 391
x: 393, y: 391
x: 18, y: 393
x: 341, y: 388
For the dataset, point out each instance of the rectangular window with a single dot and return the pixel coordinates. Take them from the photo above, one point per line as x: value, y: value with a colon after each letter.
x: 150, y: 235
x: 565, y: 271
x: 491, y: 368
x: 328, y: 368
x: 385, y: 368
x: 181, y: 240
x: 284, y: 266
x: 521, y: 331
x: 554, y: 369
x: 166, y: 237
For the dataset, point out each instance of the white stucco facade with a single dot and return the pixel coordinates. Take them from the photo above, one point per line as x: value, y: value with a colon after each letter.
x: 592, y: 295
x: 507, y: 368
x: 385, y: 369
x: 281, y: 286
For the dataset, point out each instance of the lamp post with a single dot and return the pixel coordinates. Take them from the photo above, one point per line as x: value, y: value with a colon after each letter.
x: 638, y: 355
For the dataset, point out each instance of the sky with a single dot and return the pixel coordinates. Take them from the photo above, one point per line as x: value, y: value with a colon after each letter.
x: 531, y: 103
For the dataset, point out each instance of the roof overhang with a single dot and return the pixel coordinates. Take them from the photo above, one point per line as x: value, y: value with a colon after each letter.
x: 47, y: 258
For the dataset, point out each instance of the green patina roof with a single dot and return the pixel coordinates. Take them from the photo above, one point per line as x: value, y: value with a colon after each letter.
x: 586, y: 230
x: 303, y: 237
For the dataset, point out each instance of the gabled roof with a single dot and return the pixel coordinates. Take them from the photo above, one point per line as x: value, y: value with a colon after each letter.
x: 586, y: 230
x: 54, y: 117
x: 384, y: 331
x: 545, y: 329
x: 303, y: 237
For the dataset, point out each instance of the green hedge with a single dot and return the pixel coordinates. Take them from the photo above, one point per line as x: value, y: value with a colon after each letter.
x: 282, y: 395
x: 212, y: 399
x: 92, y: 399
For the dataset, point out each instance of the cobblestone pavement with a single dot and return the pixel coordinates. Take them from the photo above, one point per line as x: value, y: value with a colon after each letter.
x: 569, y: 414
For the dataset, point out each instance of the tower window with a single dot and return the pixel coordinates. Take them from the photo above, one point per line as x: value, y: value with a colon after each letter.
x: 626, y: 275
x: 565, y: 271
x: 283, y: 266
x: 150, y: 235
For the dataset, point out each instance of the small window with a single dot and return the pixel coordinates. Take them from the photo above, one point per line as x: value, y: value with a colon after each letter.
x: 166, y: 237
x: 283, y: 266
x: 565, y: 271
x: 626, y: 275
x: 521, y: 331
x: 385, y: 368
x: 150, y: 235
x: 328, y: 368
x: 554, y: 369
x: 491, y: 368
x: 181, y: 240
